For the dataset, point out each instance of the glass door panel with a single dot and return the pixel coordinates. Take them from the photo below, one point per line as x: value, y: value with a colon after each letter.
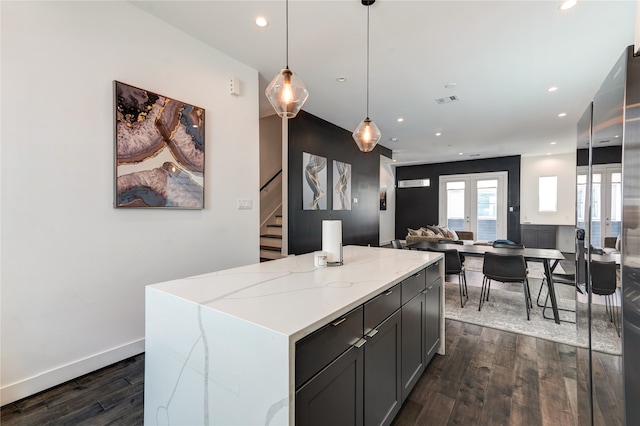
x: 475, y: 202
x: 606, y: 203
x: 456, y: 205
x: 596, y: 210
x: 614, y: 221
x: 487, y: 209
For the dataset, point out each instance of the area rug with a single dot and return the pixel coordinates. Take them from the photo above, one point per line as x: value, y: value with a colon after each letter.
x: 505, y: 310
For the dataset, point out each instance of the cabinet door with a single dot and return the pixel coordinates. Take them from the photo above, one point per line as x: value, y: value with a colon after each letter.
x: 334, y: 396
x: 382, y: 381
x: 413, y: 342
x: 432, y: 318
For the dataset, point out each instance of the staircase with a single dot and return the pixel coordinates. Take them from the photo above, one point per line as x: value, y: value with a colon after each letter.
x: 271, y: 241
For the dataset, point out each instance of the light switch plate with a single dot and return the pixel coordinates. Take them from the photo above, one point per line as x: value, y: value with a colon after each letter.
x: 245, y: 204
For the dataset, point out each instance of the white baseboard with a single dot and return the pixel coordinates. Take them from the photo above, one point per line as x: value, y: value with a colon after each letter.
x: 48, y: 379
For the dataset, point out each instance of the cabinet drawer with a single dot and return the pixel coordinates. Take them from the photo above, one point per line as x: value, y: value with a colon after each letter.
x: 318, y: 349
x: 432, y: 272
x: 380, y: 307
x: 412, y: 286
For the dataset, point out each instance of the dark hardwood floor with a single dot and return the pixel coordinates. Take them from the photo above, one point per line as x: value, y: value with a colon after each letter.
x: 110, y: 396
x: 487, y: 377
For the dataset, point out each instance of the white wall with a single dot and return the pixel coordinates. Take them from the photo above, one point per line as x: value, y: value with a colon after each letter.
x: 564, y: 167
x: 73, y: 267
x: 388, y: 217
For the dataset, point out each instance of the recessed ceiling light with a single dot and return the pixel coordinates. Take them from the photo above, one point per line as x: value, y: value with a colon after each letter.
x: 438, y: 134
x: 552, y: 89
x: 616, y: 136
x: 461, y: 153
x: 548, y: 153
x: 568, y: 4
x: 341, y: 79
x: 400, y: 119
x: 450, y: 85
x: 552, y: 143
x: 393, y: 139
x: 261, y: 22
x: 562, y: 114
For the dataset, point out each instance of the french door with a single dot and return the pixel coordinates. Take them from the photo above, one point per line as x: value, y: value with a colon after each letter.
x: 606, y: 202
x: 475, y: 202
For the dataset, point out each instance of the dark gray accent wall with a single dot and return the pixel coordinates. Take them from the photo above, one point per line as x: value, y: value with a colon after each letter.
x: 416, y: 207
x: 360, y: 225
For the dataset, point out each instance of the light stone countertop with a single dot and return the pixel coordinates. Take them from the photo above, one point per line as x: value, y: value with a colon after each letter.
x: 292, y: 297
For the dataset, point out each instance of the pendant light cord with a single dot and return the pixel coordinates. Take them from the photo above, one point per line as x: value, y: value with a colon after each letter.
x: 286, y: 13
x: 368, y: 61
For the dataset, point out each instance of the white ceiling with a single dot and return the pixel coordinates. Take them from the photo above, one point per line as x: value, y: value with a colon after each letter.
x: 502, y: 55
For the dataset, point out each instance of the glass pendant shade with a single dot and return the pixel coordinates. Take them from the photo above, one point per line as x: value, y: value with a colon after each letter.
x: 286, y: 93
x: 367, y: 135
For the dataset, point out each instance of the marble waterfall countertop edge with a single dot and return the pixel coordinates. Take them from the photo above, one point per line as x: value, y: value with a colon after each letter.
x: 291, y: 296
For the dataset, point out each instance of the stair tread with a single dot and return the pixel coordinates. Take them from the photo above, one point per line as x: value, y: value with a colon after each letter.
x: 275, y: 225
x: 271, y: 248
x: 274, y: 236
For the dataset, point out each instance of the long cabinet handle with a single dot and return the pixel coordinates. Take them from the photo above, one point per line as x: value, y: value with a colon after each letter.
x: 360, y: 342
x: 388, y: 292
x: 371, y: 333
x: 338, y: 322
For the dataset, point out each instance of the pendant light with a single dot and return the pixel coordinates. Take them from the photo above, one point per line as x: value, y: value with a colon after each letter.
x: 286, y: 92
x: 367, y: 133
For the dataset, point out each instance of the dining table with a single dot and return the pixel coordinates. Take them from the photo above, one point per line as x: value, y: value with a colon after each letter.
x: 548, y: 257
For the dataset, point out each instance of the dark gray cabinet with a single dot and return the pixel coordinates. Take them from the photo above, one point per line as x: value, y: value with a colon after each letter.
x: 432, y: 318
x: 539, y: 236
x: 382, y: 386
x: 329, y: 373
x: 359, y: 369
x: 413, y: 342
x: 334, y: 396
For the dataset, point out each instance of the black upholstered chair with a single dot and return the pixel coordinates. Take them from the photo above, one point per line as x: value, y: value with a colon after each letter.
x: 506, y: 268
x: 453, y: 266
x: 604, y: 283
x: 396, y: 244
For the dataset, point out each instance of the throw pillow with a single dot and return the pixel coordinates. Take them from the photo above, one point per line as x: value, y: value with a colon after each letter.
x: 445, y: 232
x: 414, y: 232
x: 426, y: 232
x: 436, y: 231
x: 618, y: 243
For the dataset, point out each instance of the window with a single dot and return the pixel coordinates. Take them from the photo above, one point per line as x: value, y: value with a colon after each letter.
x: 548, y: 194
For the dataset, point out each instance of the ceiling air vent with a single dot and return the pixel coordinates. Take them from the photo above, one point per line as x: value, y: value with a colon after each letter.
x: 447, y: 99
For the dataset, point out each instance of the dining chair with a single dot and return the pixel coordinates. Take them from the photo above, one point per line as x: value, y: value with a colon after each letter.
x: 454, y: 266
x: 558, y: 278
x: 396, y: 244
x: 506, y: 268
x: 604, y: 283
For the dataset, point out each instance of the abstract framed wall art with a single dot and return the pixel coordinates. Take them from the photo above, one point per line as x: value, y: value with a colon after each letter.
x: 342, y: 186
x: 159, y: 151
x: 314, y: 182
x: 383, y: 198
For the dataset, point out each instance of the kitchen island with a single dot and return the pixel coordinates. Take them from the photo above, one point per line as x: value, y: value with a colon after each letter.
x: 221, y: 347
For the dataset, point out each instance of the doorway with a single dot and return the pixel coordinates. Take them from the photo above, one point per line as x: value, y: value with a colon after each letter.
x: 606, y: 201
x: 475, y: 202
